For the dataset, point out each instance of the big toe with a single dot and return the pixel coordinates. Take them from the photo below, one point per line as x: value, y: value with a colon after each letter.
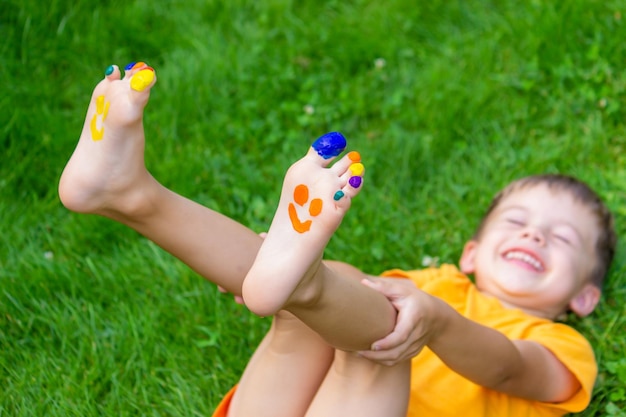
x: 143, y: 79
x: 327, y: 147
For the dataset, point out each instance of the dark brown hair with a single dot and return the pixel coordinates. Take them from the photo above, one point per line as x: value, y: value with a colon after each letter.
x: 581, y: 192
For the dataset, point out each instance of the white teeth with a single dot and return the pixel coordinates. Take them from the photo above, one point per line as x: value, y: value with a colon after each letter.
x: 524, y: 257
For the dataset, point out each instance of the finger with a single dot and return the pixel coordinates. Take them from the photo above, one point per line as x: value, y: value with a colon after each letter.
x: 391, y: 357
x: 381, y: 286
x: 393, y: 340
x: 392, y: 288
x: 387, y: 358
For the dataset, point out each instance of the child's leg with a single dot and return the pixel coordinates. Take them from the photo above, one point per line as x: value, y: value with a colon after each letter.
x: 288, y: 273
x: 106, y: 175
x: 295, y: 373
x: 359, y: 387
x: 284, y: 373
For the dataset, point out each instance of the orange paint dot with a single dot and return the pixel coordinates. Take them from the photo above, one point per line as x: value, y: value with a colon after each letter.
x: 316, y: 207
x: 301, y: 194
x: 354, y: 156
x: 138, y: 64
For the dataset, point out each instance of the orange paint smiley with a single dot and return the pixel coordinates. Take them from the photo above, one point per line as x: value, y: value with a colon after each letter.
x: 301, y: 197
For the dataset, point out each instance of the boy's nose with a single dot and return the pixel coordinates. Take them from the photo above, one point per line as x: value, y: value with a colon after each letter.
x: 533, y: 234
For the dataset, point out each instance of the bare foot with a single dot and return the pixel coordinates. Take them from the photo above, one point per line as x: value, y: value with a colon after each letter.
x: 312, y: 204
x: 108, y: 163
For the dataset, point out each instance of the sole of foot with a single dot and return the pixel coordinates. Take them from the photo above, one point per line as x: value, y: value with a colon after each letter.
x: 109, y: 156
x: 314, y: 200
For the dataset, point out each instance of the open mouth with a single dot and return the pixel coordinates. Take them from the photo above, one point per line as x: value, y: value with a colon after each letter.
x: 525, y: 258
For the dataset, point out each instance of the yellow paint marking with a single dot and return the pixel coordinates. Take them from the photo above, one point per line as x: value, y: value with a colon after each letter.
x: 102, y: 110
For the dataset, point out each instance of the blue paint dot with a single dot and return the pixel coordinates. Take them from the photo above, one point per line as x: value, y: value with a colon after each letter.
x: 338, y: 195
x: 330, y: 145
x: 109, y: 70
x: 129, y: 66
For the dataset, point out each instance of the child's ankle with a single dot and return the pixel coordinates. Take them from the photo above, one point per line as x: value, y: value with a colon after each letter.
x: 309, y: 291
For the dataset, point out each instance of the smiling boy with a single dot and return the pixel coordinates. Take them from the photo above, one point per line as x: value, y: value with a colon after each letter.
x: 484, y: 349
x: 542, y: 249
x: 531, y: 248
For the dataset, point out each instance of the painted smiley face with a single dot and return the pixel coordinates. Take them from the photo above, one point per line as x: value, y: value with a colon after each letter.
x: 301, y: 198
x: 102, y: 110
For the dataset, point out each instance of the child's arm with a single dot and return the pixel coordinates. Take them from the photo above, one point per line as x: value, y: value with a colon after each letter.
x: 517, y: 367
x: 481, y: 354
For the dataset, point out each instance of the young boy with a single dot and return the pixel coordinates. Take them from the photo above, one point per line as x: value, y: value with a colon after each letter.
x: 490, y: 349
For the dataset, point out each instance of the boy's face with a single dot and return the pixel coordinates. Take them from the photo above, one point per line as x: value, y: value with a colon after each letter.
x: 536, y: 253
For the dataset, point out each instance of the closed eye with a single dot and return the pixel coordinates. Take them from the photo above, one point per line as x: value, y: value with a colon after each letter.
x: 562, y: 238
x: 514, y: 221
x: 565, y: 235
x: 567, y: 238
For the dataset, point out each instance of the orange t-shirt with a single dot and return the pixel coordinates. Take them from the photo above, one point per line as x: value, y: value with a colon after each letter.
x: 438, y: 391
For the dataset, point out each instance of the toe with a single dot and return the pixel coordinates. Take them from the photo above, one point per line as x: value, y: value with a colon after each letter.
x: 329, y: 146
x: 349, y: 191
x: 128, y: 68
x: 341, y: 168
x: 143, y: 79
x: 353, y: 178
x: 133, y: 67
x: 112, y: 73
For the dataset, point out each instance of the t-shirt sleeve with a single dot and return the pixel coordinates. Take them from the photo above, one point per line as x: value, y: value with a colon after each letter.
x: 419, y: 276
x: 575, y: 352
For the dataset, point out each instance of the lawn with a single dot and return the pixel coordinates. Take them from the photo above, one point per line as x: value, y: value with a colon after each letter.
x: 447, y: 101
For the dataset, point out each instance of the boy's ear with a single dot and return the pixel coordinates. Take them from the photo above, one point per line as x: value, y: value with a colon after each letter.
x: 466, y: 263
x: 586, y: 300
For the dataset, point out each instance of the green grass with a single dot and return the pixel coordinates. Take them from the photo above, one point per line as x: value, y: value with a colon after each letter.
x: 446, y: 100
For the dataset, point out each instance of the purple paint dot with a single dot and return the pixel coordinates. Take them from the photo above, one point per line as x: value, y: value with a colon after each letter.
x: 355, y: 182
x: 330, y: 145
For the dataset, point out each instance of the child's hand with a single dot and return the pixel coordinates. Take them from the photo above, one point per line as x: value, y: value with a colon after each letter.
x: 412, y: 331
